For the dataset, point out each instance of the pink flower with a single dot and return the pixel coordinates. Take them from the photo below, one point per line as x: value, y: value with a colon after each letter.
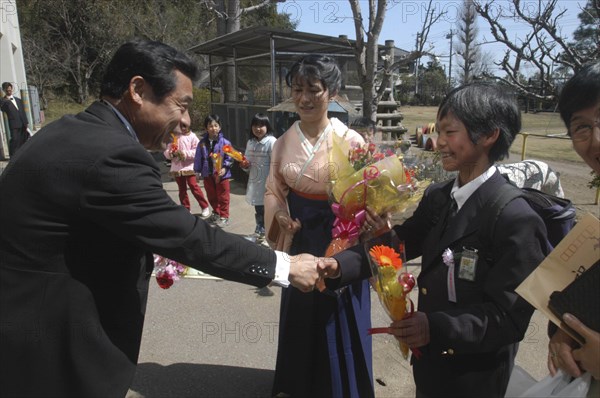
x: 167, y: 271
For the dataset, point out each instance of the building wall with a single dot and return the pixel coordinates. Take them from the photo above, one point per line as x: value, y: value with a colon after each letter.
x: 12, y: 65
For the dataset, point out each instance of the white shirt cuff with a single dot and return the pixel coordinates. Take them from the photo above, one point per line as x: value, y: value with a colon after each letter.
x: 282, y: 269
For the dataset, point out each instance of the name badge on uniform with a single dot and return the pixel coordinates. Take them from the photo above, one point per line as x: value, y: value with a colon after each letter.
x: 468, y: 264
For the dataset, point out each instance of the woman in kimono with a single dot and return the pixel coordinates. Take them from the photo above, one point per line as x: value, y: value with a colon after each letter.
x: 324, y: 349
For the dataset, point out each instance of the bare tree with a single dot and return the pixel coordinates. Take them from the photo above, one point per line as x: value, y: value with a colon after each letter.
x: 40, y: 74
x: 468, y: 50
x: 544, y: 47
x: 70, y: 39
x: 366, y: 51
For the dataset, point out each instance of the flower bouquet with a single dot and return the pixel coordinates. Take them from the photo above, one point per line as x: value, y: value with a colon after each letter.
x: 174, y: 148
x: 386, y: 256
x: 235, y: 154
x: 168, y: 271
x: 217, y: 162
x: 361, y: 177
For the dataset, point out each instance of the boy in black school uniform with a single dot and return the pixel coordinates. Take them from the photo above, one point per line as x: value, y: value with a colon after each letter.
x: 469, y: 319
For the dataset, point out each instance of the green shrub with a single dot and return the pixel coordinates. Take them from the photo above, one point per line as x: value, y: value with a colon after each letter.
x: 200, y: 108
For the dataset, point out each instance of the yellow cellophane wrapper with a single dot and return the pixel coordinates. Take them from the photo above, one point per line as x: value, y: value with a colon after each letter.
x: 392, y: 297
x: 218, y: 162
x: 389, y: 191
x: 381, y: 192
x: 235, y: 154
x: 340, y: 167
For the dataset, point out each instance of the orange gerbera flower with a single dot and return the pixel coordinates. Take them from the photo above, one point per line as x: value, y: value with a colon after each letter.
x: 386, y: 256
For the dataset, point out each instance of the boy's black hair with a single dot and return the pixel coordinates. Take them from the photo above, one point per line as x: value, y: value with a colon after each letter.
x: 483, y: 108
x: 260, y: 119
x: 212, y: 118
x: 580, y: 92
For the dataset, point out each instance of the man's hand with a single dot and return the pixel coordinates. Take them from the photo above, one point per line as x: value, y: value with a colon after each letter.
x: 560, y: 354
x: 328, y: 268
x: 303, y: 272
x: 588, y: 355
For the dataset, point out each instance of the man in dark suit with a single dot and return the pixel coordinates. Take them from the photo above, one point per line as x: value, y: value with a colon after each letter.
x: 469, y: 319
x: 17, y: 118
x: 579, y: 106
x: 76, y: 241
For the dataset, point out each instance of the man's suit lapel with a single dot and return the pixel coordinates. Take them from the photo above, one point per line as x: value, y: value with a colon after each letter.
x: 11, y: 104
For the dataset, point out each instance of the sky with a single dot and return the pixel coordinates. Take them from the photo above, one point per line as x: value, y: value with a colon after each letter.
x: 404, y: 19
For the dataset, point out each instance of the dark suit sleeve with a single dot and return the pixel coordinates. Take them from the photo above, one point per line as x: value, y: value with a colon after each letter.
x: 353, y: 267
x: 353, y: 262
x: 123, y: 193
x: 3, y: 103
x: 503, y: 317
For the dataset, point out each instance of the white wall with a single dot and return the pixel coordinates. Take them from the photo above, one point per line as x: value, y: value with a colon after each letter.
x: 12, y: 65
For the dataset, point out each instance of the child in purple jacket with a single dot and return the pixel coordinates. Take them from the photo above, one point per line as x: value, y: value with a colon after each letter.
x: 216, y: 182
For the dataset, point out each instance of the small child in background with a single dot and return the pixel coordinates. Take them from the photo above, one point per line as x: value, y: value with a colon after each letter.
x: 181, y: 152
x: 258, y: 160
x: 216, y: 182
x: 365, y: 127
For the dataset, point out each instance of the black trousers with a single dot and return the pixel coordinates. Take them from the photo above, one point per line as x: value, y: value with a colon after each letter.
x: 18, y: 137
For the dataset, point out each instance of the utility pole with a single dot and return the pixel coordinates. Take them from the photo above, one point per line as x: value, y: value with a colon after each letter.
x: 449, y: 36
x: 418, y: 43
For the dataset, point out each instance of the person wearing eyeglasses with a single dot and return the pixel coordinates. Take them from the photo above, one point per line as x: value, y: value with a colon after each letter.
x: 579, y: 106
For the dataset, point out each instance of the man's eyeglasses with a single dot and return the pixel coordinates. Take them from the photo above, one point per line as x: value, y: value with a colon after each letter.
x: 583, y: 130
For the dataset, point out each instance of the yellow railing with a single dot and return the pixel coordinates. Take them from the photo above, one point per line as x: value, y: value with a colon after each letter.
x: 556, y: 136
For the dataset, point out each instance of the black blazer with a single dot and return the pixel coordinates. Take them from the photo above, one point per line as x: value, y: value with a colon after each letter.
x: 82, y: 209
x: 17, y: 118
x: 473, y: 341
